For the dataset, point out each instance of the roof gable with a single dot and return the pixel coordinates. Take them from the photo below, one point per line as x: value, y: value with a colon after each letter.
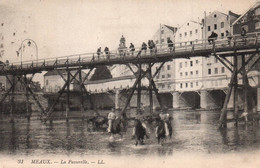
x: 251, y: 8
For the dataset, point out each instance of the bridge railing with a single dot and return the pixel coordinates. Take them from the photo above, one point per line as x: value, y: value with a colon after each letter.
x: 178, y: 47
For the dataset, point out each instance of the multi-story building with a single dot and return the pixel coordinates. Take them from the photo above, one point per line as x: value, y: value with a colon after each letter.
x: 165, y: 78
x: 215, y: 75
x: 188, y: 72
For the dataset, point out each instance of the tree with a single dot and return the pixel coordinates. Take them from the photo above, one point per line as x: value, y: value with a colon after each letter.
x: 101, y: 73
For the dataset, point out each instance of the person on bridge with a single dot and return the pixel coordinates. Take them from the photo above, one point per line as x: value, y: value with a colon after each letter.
x: 212, y: 37
x: 132, y: 48
x: 98, y: 52
x: 111, y: 117
x: 243, y: 34
x: 229, y: 37
x: 106, y: 51
x: 144, y: 47
x: 170, y: 44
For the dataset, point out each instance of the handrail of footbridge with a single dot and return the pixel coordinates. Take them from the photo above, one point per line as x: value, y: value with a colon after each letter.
x: 185, y: 49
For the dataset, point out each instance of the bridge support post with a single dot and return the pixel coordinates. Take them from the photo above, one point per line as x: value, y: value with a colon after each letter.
x: 81, y: 94
x: 203, y: 99
x: 235, y: 90
x: 258, y: 99
x: 176, y: 100
x: 150, y: 89
x: 27, y: 98
x: 68, y: 96
x: 245, y: 87
x: 12, y: 99
x: 139, y: 89
x: 117, y: 95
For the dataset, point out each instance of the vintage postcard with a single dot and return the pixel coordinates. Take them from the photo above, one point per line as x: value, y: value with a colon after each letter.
x: 135, y: 83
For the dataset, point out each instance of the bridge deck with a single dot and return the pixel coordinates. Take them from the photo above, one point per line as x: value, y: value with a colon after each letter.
x: 199, y: 48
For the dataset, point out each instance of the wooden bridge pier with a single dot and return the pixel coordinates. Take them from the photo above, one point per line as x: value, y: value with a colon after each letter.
x: 140, y: 74
x: 233, y: 84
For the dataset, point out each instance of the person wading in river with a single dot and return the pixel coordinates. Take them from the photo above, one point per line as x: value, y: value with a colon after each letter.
x: 165, y: 117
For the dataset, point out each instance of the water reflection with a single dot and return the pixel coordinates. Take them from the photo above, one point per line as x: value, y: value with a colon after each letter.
x: 13, y: 138
x: 193, y: 131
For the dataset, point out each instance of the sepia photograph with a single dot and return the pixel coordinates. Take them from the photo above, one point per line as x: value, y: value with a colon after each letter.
x: 129, y: 84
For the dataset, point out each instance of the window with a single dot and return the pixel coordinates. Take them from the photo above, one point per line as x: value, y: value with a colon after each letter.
x: 168, y: 67
x: 186, y: 73
x: 257, y: 11
x: 197, y: 72
x: 163, y: 86
x: 157, y: 41
x: 188, y: 24
x: 180, y: 85
x: 162, y: 40
x: 215, y: 26
x: 168, y: 75
x: 209, y: 71
x: 208, y: 28
x: 180, y: 44
x: 191, y: 43
x: 186, y: 85
x: 215, y: 16
x: 2, y: 24
x: 190, y: 33
x: 191, y: 63
x: 222, y: 24
x: 191, y: 73
x: 216, y: 60
x: 169, y: 86
x: 216, y: 70
x: 180, y: 73
x: 185, y: 34
x: 1, y: 45
x: 222, y: 35
x: 186, y: 64
x: 180, y: 35
x: 223, y: 69
x: 191, y: 85
x: 162, y: 31
x: 47, y: 82
x: 162, y: 68
x: 197, y: 83
x: 13, y: 34
x: 196, y: 31
x: 197, y: 61
x: 157, y: 77
x: 180, y: 64
x: 257, y: 25
x: 163, y: 76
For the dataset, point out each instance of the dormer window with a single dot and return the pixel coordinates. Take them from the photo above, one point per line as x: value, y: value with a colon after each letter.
x: 215, y: 16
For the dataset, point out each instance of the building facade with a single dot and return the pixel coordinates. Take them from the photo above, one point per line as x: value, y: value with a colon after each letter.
x: 165, y: 78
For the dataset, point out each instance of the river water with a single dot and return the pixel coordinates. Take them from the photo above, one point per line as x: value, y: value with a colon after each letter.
x: 193, y: 132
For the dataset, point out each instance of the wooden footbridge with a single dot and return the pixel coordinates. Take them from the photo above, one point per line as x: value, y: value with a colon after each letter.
x: 235, y: 47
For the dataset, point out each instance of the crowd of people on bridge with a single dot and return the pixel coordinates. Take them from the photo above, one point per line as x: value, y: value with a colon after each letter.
x: 153, y: 48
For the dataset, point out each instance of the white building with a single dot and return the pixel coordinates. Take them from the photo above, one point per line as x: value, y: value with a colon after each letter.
x: 188, y: 72
x: 165, y: 79
x: 215, y: 74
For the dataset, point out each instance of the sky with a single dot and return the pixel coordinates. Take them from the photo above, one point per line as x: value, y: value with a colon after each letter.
x: 67, y: 27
